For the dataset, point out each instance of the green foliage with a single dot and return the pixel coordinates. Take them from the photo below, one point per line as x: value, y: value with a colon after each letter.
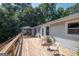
x: 61, y: 12
x: 8, y: 25
x: 73, y: 9
x: 76, y: 8
x: 48, y: 10
x: 49, y: 40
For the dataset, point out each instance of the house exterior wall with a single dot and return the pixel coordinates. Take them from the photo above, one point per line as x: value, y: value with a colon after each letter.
x: 43, y: 27
x: 58, y: 31
x: 33, y: 31
x: 39, y: 33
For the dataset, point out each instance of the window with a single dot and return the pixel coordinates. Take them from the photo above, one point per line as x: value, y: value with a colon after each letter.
x: 47, y: 30
x: 73, y: 28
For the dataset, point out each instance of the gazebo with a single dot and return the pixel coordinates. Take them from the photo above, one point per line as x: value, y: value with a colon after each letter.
x: 26, y: 30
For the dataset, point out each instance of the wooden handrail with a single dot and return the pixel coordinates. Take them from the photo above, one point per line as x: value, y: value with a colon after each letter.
x: 6, y: 42
x: 11, y: 46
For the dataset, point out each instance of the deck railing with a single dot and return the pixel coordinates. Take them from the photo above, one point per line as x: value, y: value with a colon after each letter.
x: 6, y: 42
x: 14, y: 47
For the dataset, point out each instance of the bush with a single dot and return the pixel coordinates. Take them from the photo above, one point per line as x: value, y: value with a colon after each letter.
x: 49, y: 40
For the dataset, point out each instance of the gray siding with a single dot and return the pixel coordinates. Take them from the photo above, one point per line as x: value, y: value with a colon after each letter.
x: 58, y: 32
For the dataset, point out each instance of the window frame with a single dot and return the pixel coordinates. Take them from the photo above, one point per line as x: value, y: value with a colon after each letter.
x: 66, y: 29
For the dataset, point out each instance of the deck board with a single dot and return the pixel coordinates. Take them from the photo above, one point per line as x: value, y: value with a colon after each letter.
x: 32, y: 47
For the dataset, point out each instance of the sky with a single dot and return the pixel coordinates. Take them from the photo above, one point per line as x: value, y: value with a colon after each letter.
x: 64, y: 5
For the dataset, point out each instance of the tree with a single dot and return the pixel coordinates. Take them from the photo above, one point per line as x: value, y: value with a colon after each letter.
x: 22, y: 6
x: 61, y: 12
x: 39, y: 16
x: 48, y: 10
x: 9, y: 22
x: 73, y: 9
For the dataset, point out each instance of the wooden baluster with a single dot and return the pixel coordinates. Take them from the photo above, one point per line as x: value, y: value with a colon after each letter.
x: 13, y: 49
x: 16, y: 47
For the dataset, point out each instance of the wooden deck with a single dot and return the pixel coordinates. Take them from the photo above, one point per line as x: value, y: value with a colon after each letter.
x: 33, y: 47
x: 26, y: 46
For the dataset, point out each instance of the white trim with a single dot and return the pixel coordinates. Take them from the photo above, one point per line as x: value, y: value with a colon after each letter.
x: 66, y: 28
x: 66, y: 31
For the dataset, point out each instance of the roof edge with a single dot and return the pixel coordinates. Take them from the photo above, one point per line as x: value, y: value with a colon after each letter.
x: 76, y: 15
